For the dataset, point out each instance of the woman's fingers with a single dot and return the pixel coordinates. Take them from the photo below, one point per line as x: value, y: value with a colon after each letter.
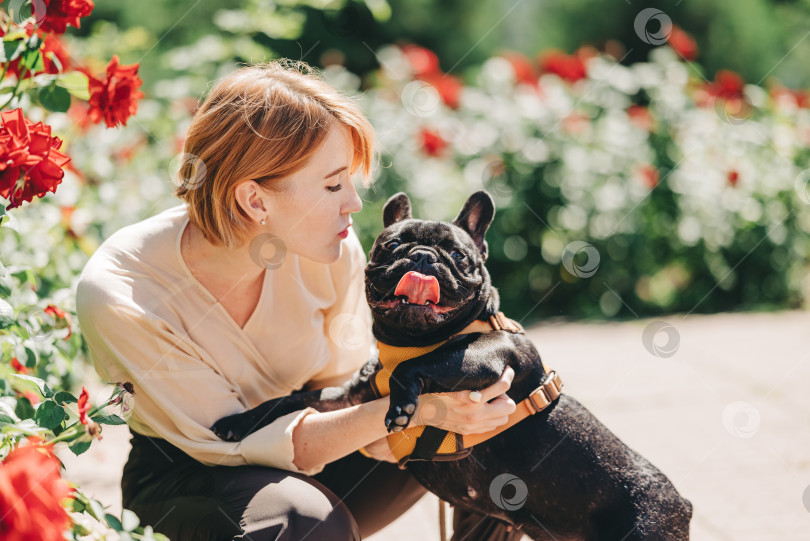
x: 500, y: 386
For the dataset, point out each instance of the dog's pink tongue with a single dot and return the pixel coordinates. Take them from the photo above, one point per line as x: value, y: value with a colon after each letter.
x: 418, y: 287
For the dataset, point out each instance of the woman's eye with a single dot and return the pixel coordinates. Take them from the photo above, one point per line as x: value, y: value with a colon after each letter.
x: 455, y: 254
x: 392, y: 245
x: 334, y: 188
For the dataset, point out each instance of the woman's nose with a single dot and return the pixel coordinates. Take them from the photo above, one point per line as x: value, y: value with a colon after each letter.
x: 354, y: 203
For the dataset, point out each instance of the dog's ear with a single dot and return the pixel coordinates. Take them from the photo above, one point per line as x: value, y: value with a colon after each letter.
x: 396, y: 209
x: 475, y: 218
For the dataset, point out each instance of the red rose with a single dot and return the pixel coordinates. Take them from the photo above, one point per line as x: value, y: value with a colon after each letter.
x: 640, y: 116
x: 116, y: 98
x: 84, y: 405
x: 523, y: 68
x: 51, y: 47
x: 31, y: 494
x: 448, y: 87
x: 648, y: 175
x: 733, y: 178
x: 30, y: 163
x: 16, y: 365
x: 727, y: 85
x: 56, y: 312
x: 56, y: 15
x: 432, y: 142
x: 423, y: 61
x: 568, y: 67
x: 682, y: 43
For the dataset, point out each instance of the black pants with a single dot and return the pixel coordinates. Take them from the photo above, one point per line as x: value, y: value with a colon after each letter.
x: 351, y: 498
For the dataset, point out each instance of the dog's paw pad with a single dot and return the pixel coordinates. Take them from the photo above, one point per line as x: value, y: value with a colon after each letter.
x: 410, y: 408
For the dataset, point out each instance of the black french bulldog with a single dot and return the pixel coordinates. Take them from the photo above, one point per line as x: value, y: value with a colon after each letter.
x: 581, y: 481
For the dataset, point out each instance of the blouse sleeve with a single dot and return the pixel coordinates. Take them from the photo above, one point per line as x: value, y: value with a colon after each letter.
x: 347, y: 323
x: 178, y: 393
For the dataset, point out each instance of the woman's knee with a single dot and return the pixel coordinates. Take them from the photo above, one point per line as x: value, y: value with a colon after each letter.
x: 297, y: 508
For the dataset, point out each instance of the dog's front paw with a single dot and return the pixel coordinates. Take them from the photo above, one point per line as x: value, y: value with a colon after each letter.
x: 398, y: 417
x: 233, y: 427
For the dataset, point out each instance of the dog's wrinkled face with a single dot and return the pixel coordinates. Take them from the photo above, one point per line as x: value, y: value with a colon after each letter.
x: 421, y: 274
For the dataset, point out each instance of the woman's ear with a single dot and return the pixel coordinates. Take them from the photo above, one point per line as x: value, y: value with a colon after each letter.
x: 250, y: 197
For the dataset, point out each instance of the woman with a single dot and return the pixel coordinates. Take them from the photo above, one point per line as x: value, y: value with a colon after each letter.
x: 253, y: 289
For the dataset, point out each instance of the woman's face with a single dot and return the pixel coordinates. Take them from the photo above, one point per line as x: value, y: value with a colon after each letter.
x: 314, y: 204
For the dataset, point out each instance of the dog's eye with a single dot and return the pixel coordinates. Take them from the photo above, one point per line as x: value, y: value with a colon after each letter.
x: 391, y: 245
x: 455, y: 254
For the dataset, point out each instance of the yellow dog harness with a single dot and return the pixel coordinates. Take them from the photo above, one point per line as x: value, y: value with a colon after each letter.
x: 431, y: 443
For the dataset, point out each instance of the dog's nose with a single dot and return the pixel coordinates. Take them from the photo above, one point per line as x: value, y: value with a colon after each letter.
x: 422, y: 257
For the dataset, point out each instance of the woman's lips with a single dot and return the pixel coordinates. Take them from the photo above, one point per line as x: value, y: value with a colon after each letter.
x: 345, y: 233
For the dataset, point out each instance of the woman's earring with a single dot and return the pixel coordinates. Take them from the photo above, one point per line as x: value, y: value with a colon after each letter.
x: 264, y: 220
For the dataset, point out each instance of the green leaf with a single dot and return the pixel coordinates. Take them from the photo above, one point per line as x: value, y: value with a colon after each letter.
x: 30, y: 383
x: 31, y: 357
x: 3, y: 271
x: 12, y: 49
x: 6, y: 315
x: 32, y: 58
x: 78, y: 505
x: 78, y: 447
x: 24, y: 409
x: 76, y: 83
x: 113, y: 522
x: 54, y: 98
x: 64, y: 397
x: 95, y: 509
x: 49, y: 415
x: 129, y: 520
x: 111, y: 419
x: 5, y: 419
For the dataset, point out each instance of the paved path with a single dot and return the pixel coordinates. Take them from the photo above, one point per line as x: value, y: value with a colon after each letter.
x: 726, y: 417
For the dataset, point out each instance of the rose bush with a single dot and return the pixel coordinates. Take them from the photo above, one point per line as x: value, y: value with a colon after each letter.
x: 37, y: 343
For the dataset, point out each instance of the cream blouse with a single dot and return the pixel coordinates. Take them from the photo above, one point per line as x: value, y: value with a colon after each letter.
x: 147, y: 320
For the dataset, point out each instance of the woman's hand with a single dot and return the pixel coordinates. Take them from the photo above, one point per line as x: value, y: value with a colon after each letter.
x: 380, y: 450
x: 457, y: 412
